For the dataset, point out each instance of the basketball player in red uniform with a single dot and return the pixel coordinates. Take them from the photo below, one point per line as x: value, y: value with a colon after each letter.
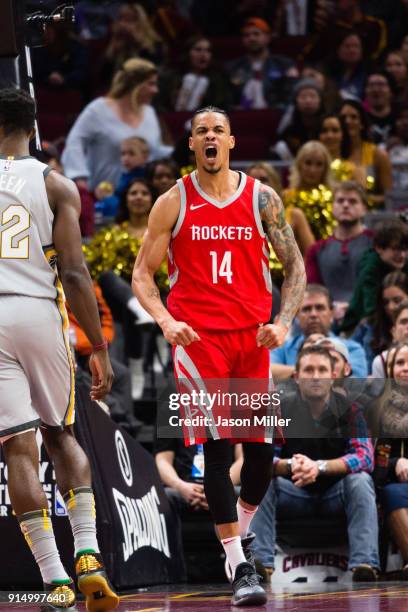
x: 214, y: 224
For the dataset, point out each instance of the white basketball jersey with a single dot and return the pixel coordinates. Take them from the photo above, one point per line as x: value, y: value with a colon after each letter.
x: 27, y: 255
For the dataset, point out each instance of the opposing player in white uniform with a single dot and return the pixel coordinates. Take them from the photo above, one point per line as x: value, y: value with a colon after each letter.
x: 39, y: 232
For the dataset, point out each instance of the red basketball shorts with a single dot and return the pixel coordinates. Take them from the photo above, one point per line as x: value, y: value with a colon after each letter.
x: 220, y: 365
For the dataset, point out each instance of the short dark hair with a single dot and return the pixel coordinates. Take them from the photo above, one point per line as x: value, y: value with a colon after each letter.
x: 209, y: 109
x: 386, y: 75
x: 389, y: 233
x: 315, y: 288
x: 17, y: 111
x: 352, y: 186
x: 323, y: 351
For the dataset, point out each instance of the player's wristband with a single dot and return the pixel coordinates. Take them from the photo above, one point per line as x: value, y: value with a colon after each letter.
x: 100, y: 347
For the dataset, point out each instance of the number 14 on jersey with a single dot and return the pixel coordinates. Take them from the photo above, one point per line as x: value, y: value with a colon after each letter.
x: 223, y: 270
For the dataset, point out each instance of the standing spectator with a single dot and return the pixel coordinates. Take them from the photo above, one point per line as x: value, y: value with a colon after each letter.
x: 348, y: 68
x: 92, y: 151
x: 301, y: 121
x: 334, y: 135
x: 259, y: 79
x: 397, y: 67
x: 310, y: 187
x: 315, y: 316
x: 323, y: 468
x: 389, y: 253
x: 390, y: 424
x: 333, y: 262
x: 372, y: 161
x: 162, y: 174
x: 299, y: 18
x: 379, y: 98
x: 197, y: 83
x: 132, y: 36
x: 266, y: 173
x: 62, y: 63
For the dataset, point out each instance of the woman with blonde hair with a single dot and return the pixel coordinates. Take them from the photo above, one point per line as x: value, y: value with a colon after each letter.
x: 92, y: 151
x: 266, y: 174
x: 310, y: 187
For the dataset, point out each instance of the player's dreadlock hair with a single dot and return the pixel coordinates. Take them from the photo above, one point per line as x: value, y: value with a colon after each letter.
x: 210, y: 109
x: 17, y: 110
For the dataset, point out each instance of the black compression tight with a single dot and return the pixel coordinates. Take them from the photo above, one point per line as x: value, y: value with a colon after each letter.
x: 255, y: 477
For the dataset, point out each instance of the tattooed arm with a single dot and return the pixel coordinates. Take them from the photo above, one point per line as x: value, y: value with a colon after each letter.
x: 284, y: 244
x: 162, y: 219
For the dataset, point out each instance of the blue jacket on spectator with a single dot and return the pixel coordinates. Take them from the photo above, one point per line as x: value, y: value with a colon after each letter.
x: 287, y: 353
x: 108, y: 207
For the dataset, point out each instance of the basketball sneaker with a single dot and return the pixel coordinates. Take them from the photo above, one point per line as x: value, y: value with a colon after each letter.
x: 93, y: 582
x: 245, y: 542
x: 59, y: 597
x: 246, y: 588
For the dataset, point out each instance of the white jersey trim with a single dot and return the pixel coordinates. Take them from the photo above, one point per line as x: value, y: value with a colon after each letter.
x: 255, y: 203
x: 183, y: 205
x: 211, y: 200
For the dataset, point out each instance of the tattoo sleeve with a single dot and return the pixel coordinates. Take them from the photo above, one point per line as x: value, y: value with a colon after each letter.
x: 284, y: 244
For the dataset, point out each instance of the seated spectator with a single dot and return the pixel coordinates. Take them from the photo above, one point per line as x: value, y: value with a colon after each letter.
x: 119, y: 399
x: 396, y: 66
x: 182, y: 468
x: 132, y: 35
x: 93, y: 19
x: 259, y: 79
x: 310, y: 187
x: 320, y: 471
x: 301, y: 121
x: 62, y: 63
x: 348, y: 68
x: 390, y: 425
x: 134, y: 153
x: 399, y: 333
x: 333, y: 262
x: 397, y: 144
x: 379, y: 97
x: 197, y: 83
x: 330, y: 95
x: 162, y: 174
x: 114, y: 250
x: 266, y: 173
x: 92, y: 151
x: 348, y: 16
x: 389, y: 252
x: 334, y: 135
x: 372, y: 161
x: 315, y: 316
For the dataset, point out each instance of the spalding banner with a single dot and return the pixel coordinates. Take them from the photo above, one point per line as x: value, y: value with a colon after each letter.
x: 139, y: 532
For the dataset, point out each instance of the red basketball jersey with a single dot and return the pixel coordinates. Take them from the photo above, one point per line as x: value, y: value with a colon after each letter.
x: 219, y: 259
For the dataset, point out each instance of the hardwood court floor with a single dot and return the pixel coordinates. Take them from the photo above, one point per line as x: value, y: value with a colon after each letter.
x: 380, y: 597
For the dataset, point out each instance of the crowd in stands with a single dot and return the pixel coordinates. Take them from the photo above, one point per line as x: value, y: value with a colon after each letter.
x: 329, y: 81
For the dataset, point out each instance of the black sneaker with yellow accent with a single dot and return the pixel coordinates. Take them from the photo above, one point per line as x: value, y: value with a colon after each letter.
x: 60, y: 596
x: 93, y: 582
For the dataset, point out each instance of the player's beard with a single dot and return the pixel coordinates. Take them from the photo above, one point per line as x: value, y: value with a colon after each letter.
x: 212, y: 170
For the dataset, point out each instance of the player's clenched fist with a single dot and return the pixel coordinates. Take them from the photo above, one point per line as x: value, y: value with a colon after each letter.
x: 179, y: 333
x: 271, y: 336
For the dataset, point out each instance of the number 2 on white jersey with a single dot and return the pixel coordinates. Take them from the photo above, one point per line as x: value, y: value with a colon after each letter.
x: 225, y: 267
x: 20, y: 250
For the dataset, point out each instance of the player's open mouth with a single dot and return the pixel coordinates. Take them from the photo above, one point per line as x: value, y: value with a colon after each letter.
x: 211, y: 152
